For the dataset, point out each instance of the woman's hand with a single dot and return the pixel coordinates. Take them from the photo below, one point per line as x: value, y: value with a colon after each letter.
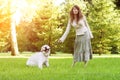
x: 60, y: 41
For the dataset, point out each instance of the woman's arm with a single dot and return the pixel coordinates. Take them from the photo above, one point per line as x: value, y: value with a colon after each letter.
x: 86, y: 23
x: 66, y: 32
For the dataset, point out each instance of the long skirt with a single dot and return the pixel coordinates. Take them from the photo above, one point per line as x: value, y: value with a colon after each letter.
x: 82, y: 48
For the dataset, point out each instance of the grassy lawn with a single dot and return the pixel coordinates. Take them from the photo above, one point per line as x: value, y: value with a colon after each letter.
x: 60, y: 69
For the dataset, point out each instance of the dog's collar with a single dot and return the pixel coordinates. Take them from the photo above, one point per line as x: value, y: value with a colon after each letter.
x: 44, y: 54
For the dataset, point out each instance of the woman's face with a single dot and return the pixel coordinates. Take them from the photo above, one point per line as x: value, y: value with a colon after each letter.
x: 75, y: 11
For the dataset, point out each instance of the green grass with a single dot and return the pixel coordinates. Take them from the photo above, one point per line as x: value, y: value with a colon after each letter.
x: 60, y: 69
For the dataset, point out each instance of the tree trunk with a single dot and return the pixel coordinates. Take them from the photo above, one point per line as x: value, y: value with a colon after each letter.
x: 14, y: 45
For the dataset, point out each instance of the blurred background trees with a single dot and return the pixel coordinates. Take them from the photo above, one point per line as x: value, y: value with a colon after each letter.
x: 44, y: 22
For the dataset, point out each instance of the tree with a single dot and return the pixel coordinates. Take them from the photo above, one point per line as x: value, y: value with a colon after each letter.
x: 46, y: 25
x: 42, y: 22
x: 117, y: 2
x: 14, y: 44
x: 4, y: 26
x: 103, y: 19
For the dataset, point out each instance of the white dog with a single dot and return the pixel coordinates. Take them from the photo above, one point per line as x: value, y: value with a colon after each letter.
x: 40, y: 58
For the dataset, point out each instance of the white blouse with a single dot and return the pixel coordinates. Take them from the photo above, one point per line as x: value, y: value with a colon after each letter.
x: 80, y: 28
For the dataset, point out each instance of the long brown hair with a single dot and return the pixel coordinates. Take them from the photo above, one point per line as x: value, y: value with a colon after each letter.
x: 79, y: 15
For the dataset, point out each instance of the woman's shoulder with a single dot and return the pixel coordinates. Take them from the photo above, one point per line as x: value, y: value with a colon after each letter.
x: 84, y: 17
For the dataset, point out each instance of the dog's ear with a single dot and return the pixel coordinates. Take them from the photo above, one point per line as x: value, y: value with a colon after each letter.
x: 48, y: 47
x: 42, y: 48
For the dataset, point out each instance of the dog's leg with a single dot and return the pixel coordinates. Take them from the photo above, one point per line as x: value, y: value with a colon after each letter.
x: 47, y: 63
x: 40, y: 66
x: 30, y: 63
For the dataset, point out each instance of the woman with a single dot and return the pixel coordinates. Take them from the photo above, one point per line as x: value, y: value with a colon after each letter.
x: 82, y: 46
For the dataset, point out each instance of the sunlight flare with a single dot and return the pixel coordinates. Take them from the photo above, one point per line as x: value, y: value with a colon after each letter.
x: 23, y: 10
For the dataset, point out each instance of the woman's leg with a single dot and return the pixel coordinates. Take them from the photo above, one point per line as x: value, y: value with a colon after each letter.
x: 73, y: 63
x: 85, y: 63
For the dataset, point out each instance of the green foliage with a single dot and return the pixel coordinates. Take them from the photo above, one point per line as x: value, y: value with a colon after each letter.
x: 50, y: 21
x: 4, y: 26
x: 46, y: 25
x: 26, y: 36
x: 117, y: 2
x: 103, y: 19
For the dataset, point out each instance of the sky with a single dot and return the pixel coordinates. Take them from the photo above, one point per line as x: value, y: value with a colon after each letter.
x: 58, y: 2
